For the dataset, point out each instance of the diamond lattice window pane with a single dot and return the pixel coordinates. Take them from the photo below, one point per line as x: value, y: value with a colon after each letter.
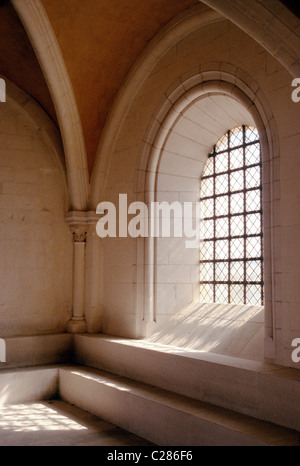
x: 237, y: 181
x: 253, y: 247
x: 237, y: 203
x: 251, y: 134
x: 222, y: 144
x: 221, y: 291
x: 222, y: 205
x: 253, y: 271
x: 221, y: 271
x: 221, y: 184
x: 236, y: 159
x: 237, y: 271
x: 237, y: 294
x: 252, y: 154
x: 206, y: 250
x: 237, y: 225
x: 207, y: 229
x: 233, y: 249
x: 253, y: 295
x: 206, y: 272
x: 253, y: 178
x: 222, y: 230
x: 236, y: 137
x: 253, y: 200
x: 237, y: 248
x: 221, y: 163
x: 222, y: 249
x: 253, y: 222
x: 209, y: 167
x: 207, y: 208
x: 207, y: 187
x: 206, y: 293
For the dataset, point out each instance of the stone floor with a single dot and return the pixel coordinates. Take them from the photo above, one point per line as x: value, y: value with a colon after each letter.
x: 56, y: 423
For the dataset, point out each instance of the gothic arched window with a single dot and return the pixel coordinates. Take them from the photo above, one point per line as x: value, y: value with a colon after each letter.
x: 231, y: 248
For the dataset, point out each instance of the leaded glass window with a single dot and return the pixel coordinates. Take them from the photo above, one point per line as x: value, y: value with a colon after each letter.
x: 231, y: 250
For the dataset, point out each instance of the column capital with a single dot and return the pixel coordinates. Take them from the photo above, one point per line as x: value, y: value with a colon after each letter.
x: 79, y: 233
x: 79, y: 223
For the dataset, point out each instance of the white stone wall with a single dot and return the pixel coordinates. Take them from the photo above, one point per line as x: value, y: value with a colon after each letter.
x: 217, y: 46
x: 35, y: 242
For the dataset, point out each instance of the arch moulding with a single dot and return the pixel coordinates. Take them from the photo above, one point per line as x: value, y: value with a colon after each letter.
x: 246, y: 92
x: 182, y: 25
x: 272, y: 26
x: 45, y: 45
x: 270, y: 23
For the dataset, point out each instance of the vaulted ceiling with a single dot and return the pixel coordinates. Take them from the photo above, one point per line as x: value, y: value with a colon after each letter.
x: 18, y: 62
x: 99, y: 39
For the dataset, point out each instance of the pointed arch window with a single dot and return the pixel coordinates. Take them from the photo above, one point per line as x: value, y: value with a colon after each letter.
x: 231, y: 250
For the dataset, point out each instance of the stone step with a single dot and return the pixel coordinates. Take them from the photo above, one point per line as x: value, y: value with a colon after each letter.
x: 25, y: 385
x: 163, y: 417
x: 257, y: 389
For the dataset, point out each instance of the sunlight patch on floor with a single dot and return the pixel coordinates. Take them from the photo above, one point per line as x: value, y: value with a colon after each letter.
x: 35, y: 417
x: 57, y: 423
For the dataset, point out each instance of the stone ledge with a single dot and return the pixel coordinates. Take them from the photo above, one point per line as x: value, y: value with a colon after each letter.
x: 174, y: 419
x: 257, y: 389
x: 33, y: 350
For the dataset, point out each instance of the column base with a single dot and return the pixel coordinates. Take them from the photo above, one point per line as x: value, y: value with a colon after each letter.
x: 76, y: 325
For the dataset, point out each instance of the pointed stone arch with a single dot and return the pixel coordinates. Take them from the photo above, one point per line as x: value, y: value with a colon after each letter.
x: 281, y: 41
x: 270, y: 23
x: 44, y: 42
x: 247, y: 94
x: 182, y: 25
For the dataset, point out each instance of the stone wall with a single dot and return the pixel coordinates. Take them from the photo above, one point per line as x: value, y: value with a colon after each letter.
x: 220, y: 46
x: 36, y: 244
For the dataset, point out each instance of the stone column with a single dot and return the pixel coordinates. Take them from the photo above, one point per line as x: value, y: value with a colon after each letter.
x: 78, y: 324
x: 86, y: 276
x: 79, y: 229
x: 93, y: 278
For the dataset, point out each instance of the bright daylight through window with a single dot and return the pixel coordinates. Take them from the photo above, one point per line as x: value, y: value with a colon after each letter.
x: 231, y: 250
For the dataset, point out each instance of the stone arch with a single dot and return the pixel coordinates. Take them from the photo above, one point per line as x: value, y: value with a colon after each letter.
x: 44, y: 42
x: 181, y: 26
x: 269, y: 23
x: 283, y: 45
x: 242, y: 96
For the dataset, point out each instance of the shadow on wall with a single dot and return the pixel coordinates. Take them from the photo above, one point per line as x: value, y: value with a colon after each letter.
x: 227, y: 329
